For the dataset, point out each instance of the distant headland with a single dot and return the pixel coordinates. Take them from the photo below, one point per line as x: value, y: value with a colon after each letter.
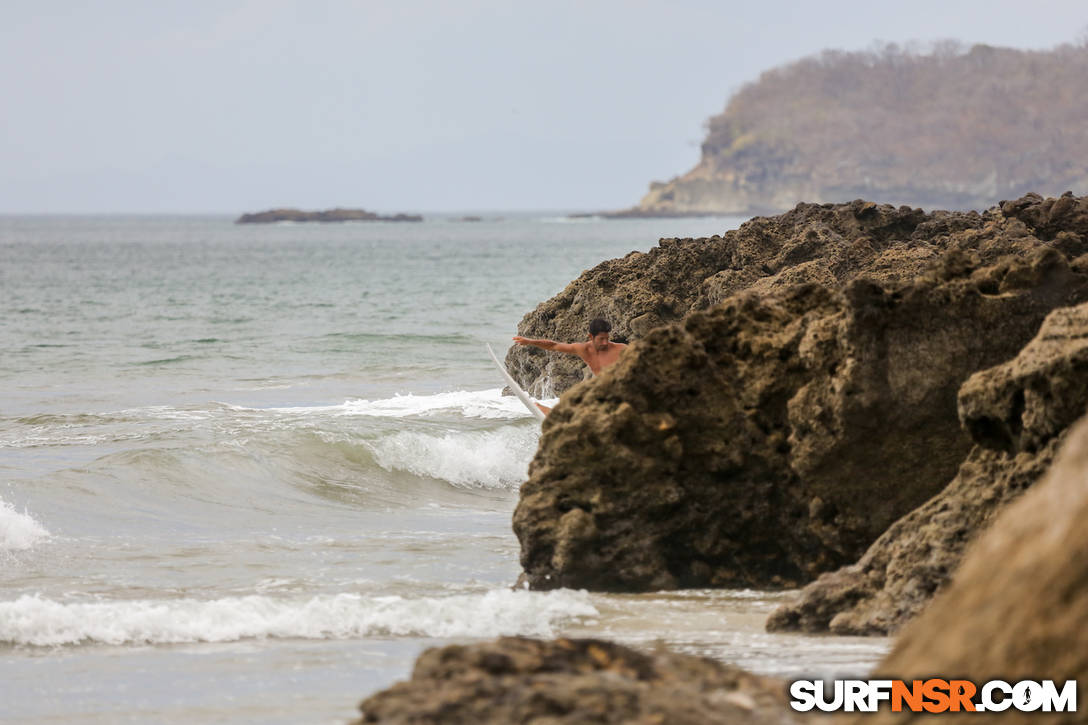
x: 956, y: 128
x: 329, y: 215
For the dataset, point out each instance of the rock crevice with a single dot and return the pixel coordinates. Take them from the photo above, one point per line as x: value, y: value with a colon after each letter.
x: 1018, y: 414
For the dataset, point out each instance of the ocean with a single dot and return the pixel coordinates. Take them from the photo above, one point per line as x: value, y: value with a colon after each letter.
x: 248, y: 473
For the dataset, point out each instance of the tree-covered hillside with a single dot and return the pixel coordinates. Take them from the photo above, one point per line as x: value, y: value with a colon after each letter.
x: 951, y: 128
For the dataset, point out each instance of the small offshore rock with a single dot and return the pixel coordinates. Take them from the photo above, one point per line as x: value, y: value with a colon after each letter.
x: 329, y: 215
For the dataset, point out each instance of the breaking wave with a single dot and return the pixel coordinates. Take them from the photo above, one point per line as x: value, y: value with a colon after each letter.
x: 369, y: 450
x: 32, y: 620
x: 491, y: 459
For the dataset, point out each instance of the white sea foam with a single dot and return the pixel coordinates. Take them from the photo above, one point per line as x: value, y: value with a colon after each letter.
x: 488, y: 404
x: 38, y: 441
x: 31, y: 620
x: 18, y: 530
x: 166, y: 412
x: 489, y: 459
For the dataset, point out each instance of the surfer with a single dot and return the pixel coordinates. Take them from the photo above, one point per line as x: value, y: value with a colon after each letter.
x: 598, y: 352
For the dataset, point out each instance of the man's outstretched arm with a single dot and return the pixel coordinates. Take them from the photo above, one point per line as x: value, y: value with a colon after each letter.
x: 572, y: 349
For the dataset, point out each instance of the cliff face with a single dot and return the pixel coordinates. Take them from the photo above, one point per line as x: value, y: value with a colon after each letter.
x: 951, y: 129
x: 1018, y: 414
x: 776, y: 435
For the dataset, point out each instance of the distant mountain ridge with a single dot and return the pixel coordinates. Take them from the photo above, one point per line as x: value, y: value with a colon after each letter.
x: 955, y: 128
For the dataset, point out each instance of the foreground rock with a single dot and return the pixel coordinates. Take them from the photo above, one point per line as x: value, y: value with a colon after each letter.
x: 777, y: 435
x: 1017, y: 608
x: 330, y: 215
x: 1018, y: 414
x: 515, y: 680
x: 828, y: 244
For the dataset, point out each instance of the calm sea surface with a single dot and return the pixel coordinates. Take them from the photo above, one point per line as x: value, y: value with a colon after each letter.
x: 248, y: 473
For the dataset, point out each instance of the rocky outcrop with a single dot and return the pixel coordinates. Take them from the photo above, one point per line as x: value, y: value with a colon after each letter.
x: 516, y: 680
x: 1017, y: 608
x: 946, y: 129
x: 828, y: 244
x: 329, y: 215
x: 777, y: 435
x: 1017, y: 414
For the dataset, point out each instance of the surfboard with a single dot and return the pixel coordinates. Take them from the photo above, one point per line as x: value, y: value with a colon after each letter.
x: 522, y: 395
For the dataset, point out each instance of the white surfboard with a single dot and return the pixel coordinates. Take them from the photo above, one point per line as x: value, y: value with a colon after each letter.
x: 522, y: 395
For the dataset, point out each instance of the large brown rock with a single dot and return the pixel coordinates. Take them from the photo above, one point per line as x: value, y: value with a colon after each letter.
x: 811, y: 243
x: 777, y: 435
x: 515, y: 680
x: 1018, y: 414
x: 829, y: 244
x: 1017, y: 608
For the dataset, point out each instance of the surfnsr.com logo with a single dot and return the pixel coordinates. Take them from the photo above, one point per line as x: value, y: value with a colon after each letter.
x: 933, y: 695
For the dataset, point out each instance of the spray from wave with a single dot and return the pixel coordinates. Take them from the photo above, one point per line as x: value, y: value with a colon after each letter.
x: 18, y: 531
x: 31, y: 620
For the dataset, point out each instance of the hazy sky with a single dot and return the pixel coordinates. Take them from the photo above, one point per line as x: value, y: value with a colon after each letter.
x: 230, y: 106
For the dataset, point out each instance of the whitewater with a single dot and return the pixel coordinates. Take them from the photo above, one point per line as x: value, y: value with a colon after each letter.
x: 248, y: 473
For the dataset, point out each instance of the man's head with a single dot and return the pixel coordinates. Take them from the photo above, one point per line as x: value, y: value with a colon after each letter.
x: 598, y: 333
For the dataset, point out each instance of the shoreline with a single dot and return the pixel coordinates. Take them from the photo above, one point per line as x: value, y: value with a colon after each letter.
x: 964, y: 332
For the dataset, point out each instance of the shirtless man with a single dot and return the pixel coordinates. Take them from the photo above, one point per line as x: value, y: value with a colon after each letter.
x: 598, y: 352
